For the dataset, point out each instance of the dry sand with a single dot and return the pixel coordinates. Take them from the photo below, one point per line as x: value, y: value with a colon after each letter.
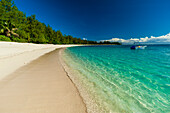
x: 41, y: 86
x: 15, y: 55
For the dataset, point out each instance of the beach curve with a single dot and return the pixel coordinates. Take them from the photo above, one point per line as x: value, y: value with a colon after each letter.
x: 41, y: 86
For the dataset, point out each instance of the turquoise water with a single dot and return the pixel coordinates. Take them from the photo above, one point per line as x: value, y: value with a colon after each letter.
x: 124, y: 80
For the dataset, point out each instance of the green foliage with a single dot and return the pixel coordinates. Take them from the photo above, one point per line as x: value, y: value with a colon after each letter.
x: 22, y: 34
x: 8, y: 18
x: 41, y: 39
x: 108, y: 42
x: 17, y: 27
x: 16, y: 39
x: 4, y: 38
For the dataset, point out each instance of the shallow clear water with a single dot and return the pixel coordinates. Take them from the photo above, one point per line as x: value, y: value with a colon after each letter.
x: 124, y: 80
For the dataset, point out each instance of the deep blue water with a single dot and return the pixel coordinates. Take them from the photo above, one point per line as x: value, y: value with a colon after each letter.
x: 124, y: 80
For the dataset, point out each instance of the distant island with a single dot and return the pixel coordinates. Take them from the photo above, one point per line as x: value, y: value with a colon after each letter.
x: 15, y: 26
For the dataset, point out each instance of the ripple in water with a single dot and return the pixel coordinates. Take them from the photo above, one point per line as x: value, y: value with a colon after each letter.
x: 122, y: 80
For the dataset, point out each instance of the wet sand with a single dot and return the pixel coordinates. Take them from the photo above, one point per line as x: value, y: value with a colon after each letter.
x: 41, y: 86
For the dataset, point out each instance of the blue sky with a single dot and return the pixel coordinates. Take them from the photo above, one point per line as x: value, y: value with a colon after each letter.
x: 102, y: 19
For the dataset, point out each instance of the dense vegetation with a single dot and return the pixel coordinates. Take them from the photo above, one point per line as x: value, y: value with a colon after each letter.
x: 15, y: 26
x: 108, y: 42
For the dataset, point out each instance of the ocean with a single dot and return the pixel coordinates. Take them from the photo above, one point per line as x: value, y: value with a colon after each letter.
x: 119, y: 79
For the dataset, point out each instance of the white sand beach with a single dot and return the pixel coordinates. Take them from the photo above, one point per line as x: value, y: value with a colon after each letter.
x: 14, y: 55
x: 32, y: 80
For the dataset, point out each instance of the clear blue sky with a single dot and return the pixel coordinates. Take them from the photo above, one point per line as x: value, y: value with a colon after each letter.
x: 102, y: 19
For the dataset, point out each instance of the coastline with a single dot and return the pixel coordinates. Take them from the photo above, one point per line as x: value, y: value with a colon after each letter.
x: 14, y: 55
x: 40, y: 86
x: 65, y: 68
x: 117, y: 84
x: 91, y: 105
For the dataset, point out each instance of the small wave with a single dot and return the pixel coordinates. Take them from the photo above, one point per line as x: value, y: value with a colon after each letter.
x: 124, y: 81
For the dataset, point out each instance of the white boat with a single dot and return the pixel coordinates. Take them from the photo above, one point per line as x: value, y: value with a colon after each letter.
x: 138, y: 47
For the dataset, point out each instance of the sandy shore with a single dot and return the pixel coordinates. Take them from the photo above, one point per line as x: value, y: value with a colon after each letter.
x: 41, y: 86
x: 15, y: 55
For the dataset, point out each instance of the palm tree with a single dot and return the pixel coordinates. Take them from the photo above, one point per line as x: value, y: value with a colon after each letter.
x: 8, y: 29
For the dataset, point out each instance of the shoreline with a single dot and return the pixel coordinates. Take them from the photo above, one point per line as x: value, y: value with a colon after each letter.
x: 89, y: 101
x: 41, y: 86
x: 70, y: 78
